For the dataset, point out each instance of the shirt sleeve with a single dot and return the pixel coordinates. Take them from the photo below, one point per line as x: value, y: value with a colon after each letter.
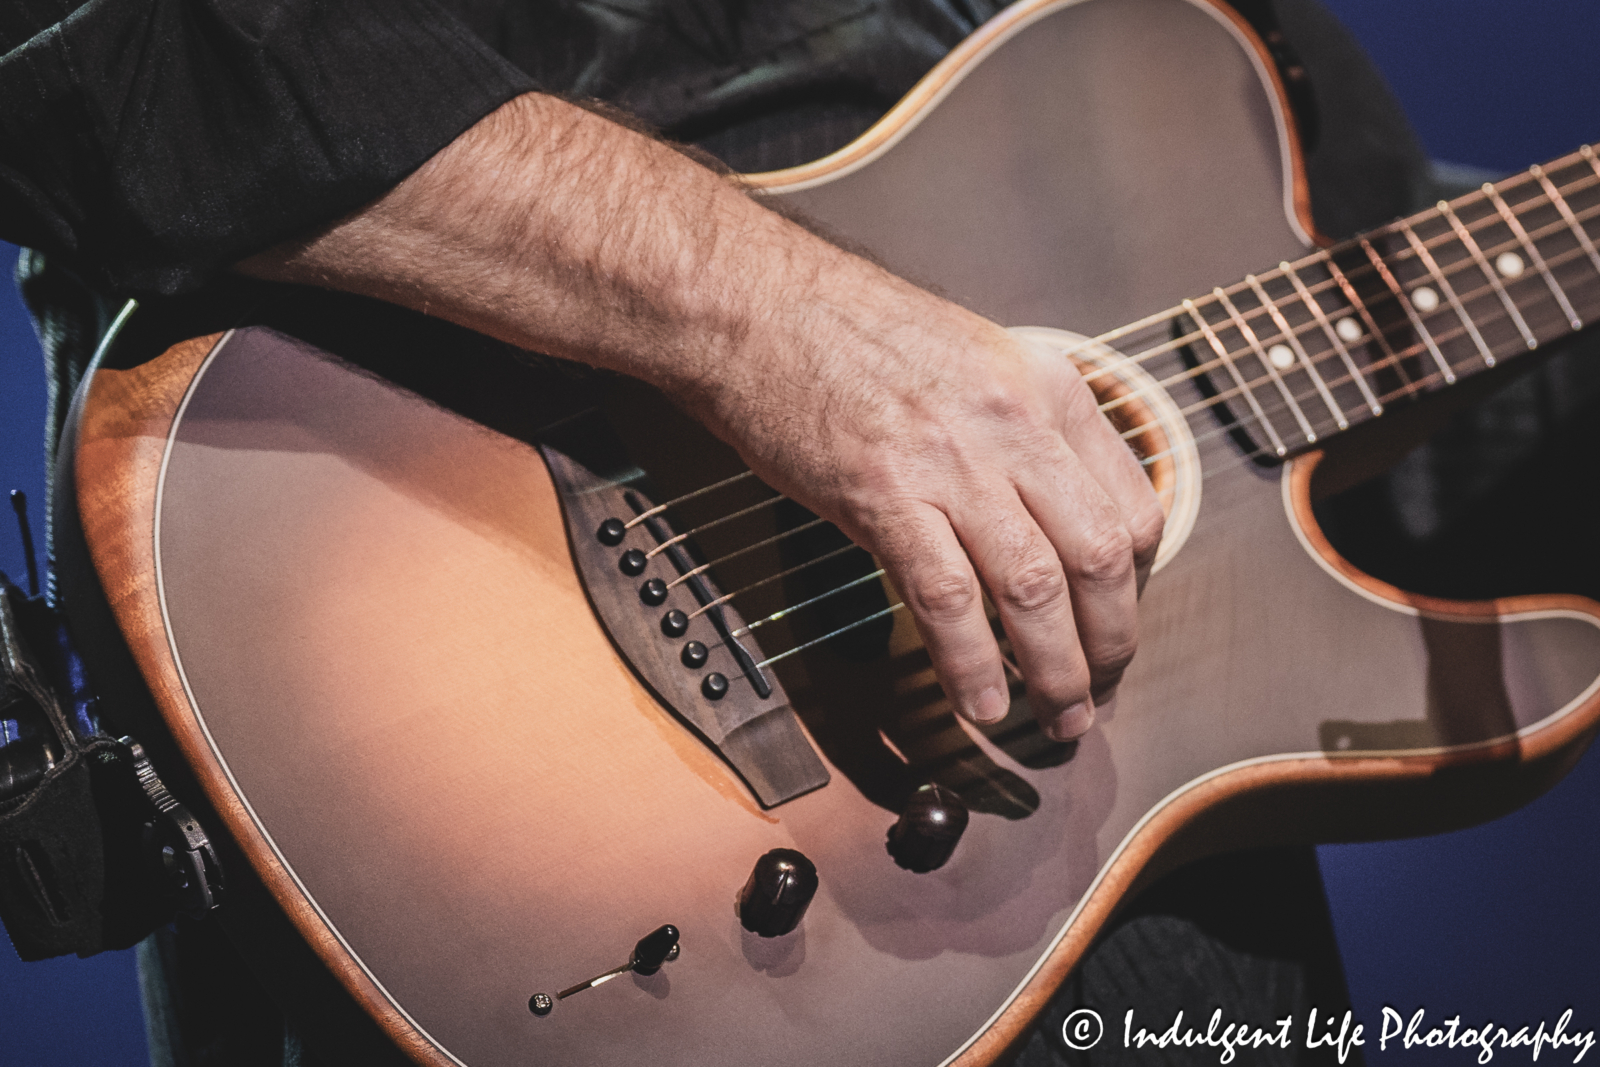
x: 152, y: 143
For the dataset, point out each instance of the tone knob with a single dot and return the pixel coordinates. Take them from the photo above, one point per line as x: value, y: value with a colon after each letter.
x: 775, y: 898
x: 928, y: 829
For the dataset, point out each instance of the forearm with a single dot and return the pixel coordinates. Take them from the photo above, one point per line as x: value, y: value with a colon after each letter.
x: 556, y: 230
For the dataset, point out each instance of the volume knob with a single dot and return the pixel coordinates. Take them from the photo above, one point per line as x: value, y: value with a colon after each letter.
x: 775, y: 898
x: 928, y: 830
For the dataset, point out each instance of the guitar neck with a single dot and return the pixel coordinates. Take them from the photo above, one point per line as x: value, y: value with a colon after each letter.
x: 1314, y: 347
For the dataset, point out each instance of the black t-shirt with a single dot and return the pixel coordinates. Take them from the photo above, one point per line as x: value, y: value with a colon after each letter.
x: 148, y: 144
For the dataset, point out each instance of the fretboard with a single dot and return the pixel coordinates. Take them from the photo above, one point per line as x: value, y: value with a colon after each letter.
x: 1311, y: 348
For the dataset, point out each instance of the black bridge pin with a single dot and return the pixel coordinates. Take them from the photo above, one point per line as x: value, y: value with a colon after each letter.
x: 653, y: 592
x: 540, y: 1004
x: 715, y: 686
x: 694, y: 655
x: 632, y: 562
x: 674, y: 623
x: 611, y: 532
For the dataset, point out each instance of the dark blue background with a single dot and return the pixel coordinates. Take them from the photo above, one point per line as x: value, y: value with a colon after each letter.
x: 1493, y: 923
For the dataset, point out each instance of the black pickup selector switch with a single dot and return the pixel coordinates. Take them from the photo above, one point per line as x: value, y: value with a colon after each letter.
x: 654, y: 949
x: 775, y: 897
x: 928, y: 830
x: 649, y: 953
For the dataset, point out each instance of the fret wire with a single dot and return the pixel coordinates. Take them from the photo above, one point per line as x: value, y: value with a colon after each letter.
x: 1150, y: 320
x: 1240, y: 389
x: 1317, y: 287
x: 1333, y: 338
x: 1303, y: 291
x: 1409, y: 309
x: 1449, y: 293
x: 1277, y: 444
x: 1289, y: 334
x: 1266, y: 363
x: 1515, y: 224
x: 1228, y: 394
x: 1221, y: 397
x: 1356, y: 376
x: 1488, y: 272
x: 1570, y: 219
x: 1562, y: 206
x: 1360, y: 308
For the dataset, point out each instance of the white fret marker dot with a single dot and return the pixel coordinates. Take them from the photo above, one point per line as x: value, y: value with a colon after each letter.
x: 1509, y: 264
x: 1282, y: 356
x: 1424, y: 299
x: 1348, y: 329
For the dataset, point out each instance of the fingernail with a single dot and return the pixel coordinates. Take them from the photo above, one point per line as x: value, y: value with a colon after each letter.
x: 991, y: 706
x: 1070, y: 722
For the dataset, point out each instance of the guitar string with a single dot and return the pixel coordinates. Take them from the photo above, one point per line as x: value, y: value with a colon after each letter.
x: 1237, y: 459
x: 885, y: 612
x: 695, y: 572
x: 1222, y: 397
x: 1309, y: 327
x: 1589, y: 180
x: 1407, y: 389
x: 703, y: 490
x: 726, y: 597
x: 1309, y: 398
x: 1359, y: 272
x: 1314, y: 328
x: 1241, y: 419
x: 1245, y: 388
x: 677, y: 539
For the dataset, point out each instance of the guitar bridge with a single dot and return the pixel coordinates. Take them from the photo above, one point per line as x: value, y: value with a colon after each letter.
x: 672, y: 625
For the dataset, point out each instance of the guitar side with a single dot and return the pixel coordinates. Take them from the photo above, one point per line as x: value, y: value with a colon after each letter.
x: 1312, y: 703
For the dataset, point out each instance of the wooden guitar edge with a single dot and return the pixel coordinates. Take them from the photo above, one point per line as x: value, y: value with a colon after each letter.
x: 1247, y: 805
x: 124, y: 423
x: 933, y: 85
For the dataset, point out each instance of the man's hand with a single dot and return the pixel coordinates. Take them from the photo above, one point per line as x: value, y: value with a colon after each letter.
x: 963, y: 459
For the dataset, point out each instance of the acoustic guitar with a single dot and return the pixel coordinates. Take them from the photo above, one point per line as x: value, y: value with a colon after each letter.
x: 486, y: 680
